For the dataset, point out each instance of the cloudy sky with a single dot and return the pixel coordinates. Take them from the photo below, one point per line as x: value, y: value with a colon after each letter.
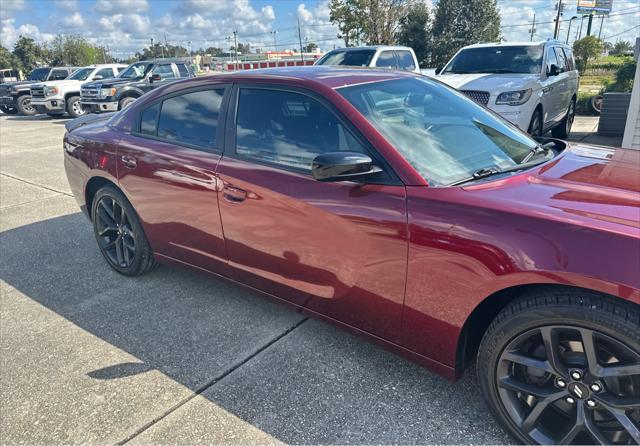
x: 127, y: 25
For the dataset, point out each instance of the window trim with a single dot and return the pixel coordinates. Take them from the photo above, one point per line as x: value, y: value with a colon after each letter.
x: 220, y: 128
x: 390, y: 176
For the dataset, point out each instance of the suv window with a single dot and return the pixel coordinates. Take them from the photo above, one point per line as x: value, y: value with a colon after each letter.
x: 165, y: 71
x: 289, y: 129
x: 551, y: 59
x: 190, y: 118
x: 120, y: 69
x: 562, y: 60
x: 182, y: 70
x: 57, y: 75
x: 405, y: 60
x: 106, y: 73
x: 569, y: 56
x: 386, y: 59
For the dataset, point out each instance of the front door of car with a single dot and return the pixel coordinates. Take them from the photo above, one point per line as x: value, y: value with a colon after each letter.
x: 167, y: 166
x: 166, y: 73
x: 337, y: 248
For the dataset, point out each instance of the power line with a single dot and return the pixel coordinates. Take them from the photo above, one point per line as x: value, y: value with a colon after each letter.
x: 625, y: 31
x: 566, y: 20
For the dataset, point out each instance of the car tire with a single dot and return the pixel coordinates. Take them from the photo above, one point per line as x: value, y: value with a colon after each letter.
x: 23, y: 104
x: 563, y: 129
x: 535, y: 126
x: 8, y: 110
x: 514, y: 365
x: 125, y: 102
x: 119, y: 234
x: 595, y: 104
x: 74, y: 107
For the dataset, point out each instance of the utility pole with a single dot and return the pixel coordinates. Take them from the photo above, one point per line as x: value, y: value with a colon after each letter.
x: 300, y: 39
x: 275, y: 46
x: 153, y: 49
x: 235, y: 42
x: 601, y: 22
x: 589, y: 24
x: 533, y: 27
x: 558, y: 14
x: 165, y: 44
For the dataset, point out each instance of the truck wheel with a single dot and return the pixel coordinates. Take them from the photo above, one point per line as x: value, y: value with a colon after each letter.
x: 74, y: 107
x: 125, y: 102
x: 535, y: 126
x: 562, y: 130
x: 562, y: 367
x: 24, y: 106
x: 8, y: 110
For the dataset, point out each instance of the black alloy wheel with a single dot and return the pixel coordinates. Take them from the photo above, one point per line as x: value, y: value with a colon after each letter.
x: 563, y: 367
x: 535, y: 126
x: 571, y: 385
x: 119, y: 233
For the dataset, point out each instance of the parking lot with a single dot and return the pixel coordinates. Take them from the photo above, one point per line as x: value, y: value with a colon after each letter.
x: 173, y: 357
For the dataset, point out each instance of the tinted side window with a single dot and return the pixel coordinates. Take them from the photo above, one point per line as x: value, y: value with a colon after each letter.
x: 149, y: 120
x: 562, y: 61
x: 405, y: 60
x: 57, y: 75
x: 120, y: 69
x: 289, y: 129
x: 106, y: 73
x: 551, y: 59
x: 569, y: 56
x: 191, y: 118
x: 165, y: 71
x: 182, y: 70
x: 386, y: 59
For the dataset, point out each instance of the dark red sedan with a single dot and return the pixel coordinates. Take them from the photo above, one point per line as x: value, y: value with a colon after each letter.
x: 393, y: 206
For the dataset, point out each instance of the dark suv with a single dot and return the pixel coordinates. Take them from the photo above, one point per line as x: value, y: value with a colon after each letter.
x: 138, y: 78
x: 15, y: 97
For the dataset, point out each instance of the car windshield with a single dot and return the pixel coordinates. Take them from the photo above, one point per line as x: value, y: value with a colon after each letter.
x: 443, y: 134
x: 82, y: 74
x: 352, y: 58
x: 135, y: 71
x: 497, y: 59
x: 39, y: 74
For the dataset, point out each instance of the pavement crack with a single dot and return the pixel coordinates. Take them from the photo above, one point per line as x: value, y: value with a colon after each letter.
x: 211, y: 383
x: 35, y: 184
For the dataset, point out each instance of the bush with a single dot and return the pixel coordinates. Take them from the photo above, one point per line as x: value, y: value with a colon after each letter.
x: 624, y: 78
x: 582, y: 104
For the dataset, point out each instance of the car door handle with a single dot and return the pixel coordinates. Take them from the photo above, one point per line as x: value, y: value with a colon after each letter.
x: 234, y: 194
x: 129, y: 161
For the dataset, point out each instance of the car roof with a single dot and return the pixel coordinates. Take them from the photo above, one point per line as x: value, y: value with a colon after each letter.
x: 159, y: 60
x: 372, y: 47
x: 517, y: 43
x: 329, y: 76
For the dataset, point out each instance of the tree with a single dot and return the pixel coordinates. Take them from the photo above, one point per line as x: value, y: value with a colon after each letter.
x: 621, y: 48
x: 310, y: 47
x: 624, y: 77
x: 75, y: 51
x: 29, y: 53
x: 8, y: 60
x: 375, y: 22
x: 462, y: 22
x: 415, y: 31
x: 586, y: 48
x: 159, y: 50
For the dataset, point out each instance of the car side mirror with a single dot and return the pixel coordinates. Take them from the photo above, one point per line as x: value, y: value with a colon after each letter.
x: 439, y: 70
x: 97, y: 77
x: 155, y: 78
x: 342, y: 166
x: 554, y: 70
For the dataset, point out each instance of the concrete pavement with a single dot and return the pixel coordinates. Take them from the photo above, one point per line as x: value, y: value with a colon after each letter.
x: 174, y: 357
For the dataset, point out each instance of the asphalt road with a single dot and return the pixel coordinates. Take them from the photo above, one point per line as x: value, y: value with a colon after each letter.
x: 173, y: 357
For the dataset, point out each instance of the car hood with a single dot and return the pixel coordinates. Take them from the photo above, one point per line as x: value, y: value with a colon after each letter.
x: 114, y: 82
x: 589, y: 185
x: 61, y: 83
x: 7, y: 85
x: 489, y: 81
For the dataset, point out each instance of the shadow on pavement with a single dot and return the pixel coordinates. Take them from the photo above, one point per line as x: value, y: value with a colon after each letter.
x: 315, y: 385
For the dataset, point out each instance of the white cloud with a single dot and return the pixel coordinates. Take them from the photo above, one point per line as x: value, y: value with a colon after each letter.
x: 75, y: 20
x: 120, y: 6
x: 11, y: 5
x: 9, y: 33
x: 67, y: 5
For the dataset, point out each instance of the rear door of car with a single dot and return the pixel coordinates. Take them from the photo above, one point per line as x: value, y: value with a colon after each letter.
x: 167, y: 166
x: 337, y: 248
x: 563, y: 81
x: 551, y: 97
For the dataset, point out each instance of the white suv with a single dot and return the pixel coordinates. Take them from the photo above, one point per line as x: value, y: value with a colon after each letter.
x: 57, y: 97
x: 532, y: 84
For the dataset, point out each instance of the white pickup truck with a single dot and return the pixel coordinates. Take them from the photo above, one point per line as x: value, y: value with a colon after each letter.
x: 380, y: 56
x: 57, y: 97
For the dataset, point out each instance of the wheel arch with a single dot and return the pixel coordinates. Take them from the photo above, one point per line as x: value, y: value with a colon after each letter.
x: 71, y: 94
x: 94, y: 185
x: 130, y: 93
x: 483, y: 314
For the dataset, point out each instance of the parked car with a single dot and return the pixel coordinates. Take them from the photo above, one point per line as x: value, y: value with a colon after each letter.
x: 379, y: 56
x: 137, y: 79
x: 532, y: 84
x: 10, y: 75
x: 15, y: 97
x: 395, y: 206
x: 57, y: 97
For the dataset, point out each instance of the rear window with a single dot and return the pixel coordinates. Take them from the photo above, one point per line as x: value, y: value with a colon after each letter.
x: 352, y: 58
